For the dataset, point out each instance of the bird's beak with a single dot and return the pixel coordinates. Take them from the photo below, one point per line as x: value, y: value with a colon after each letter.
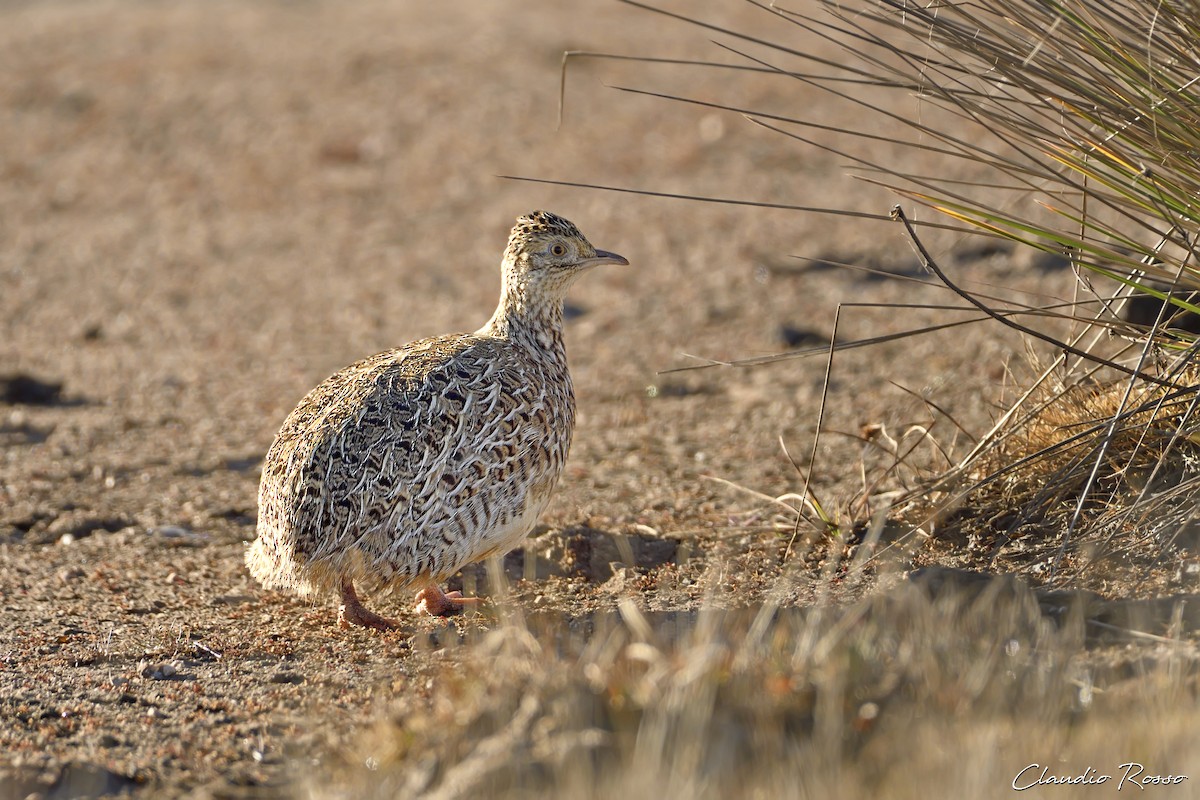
x: 605, y: 257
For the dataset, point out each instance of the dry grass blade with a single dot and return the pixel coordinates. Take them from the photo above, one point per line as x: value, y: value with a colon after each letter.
x: 700, y: 199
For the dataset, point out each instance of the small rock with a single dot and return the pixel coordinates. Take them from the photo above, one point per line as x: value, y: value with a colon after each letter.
x: 159, y: 672
x: 287, y: 677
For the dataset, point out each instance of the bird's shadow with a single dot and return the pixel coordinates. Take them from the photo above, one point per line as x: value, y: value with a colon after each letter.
x: 576, y: 552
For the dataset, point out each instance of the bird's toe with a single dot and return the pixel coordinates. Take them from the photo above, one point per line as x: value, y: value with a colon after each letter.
x: 433, y: 601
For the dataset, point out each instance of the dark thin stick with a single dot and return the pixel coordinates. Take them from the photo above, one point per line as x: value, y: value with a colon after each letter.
x: 927, y: 260
x: 837, y: 212
x: 577, y: 54
x: 812, y: 459
x: 689, y: 62
x: 854, y: 344
x: 702, y: 199
x: 757, y: 116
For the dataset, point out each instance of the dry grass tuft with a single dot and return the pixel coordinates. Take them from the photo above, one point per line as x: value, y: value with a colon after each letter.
x: 1074, y: 477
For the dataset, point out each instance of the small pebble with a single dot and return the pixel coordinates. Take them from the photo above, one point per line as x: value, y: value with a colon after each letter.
x: 178, y: 536
x: 236, y: 600
x: 70, y: 574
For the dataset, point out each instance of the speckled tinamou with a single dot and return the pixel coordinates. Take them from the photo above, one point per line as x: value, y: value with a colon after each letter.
x: 403, y: 468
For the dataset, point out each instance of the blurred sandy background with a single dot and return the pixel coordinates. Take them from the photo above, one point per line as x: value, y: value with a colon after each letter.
x: 207, y: 207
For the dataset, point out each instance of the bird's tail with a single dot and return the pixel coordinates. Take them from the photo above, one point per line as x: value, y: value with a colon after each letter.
x: 267, y: 565
x: 276, y: 566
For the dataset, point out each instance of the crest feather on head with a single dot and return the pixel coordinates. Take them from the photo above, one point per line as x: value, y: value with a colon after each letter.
x: 537, y: 226
x: 543, y: 222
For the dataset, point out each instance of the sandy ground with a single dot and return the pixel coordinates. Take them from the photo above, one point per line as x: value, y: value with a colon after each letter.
x: 206, y: 208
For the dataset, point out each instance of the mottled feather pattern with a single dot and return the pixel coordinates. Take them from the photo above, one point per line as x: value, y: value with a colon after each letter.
x: 388, y: 466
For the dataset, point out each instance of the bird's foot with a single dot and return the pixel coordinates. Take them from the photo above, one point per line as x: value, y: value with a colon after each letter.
x: 352, y: 612
x: 433, y: 601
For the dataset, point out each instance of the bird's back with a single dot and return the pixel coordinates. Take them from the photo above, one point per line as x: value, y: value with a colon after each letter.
x: 413, y: 463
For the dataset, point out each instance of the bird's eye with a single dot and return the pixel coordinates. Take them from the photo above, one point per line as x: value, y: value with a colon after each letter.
x: 558, y: 250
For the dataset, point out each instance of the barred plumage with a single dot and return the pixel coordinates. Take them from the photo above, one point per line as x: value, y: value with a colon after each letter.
x: 402, y: 468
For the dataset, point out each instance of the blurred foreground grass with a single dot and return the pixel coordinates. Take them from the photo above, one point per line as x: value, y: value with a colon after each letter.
x: 944, y: 686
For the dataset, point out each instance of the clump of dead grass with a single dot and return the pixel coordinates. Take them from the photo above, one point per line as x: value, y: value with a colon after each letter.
x: 1075, y: 476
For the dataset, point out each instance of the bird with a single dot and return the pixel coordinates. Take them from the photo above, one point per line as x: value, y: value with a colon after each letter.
x: 402, y: 468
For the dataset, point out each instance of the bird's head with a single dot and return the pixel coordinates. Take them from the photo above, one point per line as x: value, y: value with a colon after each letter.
x: 546, y: 253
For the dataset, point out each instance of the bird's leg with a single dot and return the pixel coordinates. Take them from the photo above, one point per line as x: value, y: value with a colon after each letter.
x: 432, y: 600
x: 352, y: 611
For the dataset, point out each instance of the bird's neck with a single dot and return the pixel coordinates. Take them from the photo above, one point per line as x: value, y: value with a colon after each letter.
x: 537, y: 324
